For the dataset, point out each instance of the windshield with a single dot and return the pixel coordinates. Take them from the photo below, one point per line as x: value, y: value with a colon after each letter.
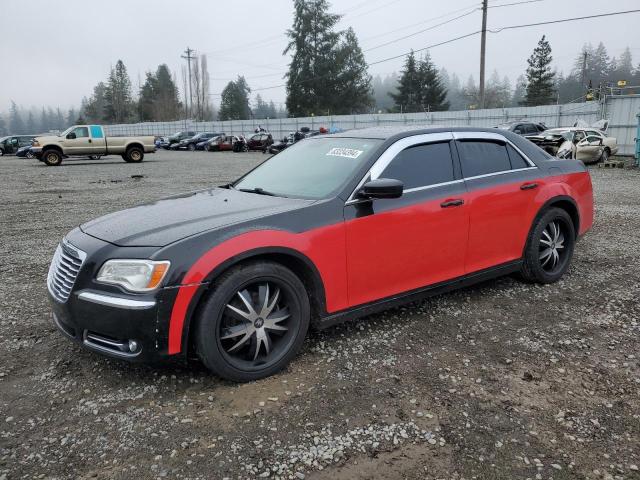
x: 313, y: 168
x: 68, y: 130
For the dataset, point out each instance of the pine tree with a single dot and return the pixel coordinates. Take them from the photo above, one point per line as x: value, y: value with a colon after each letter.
x: 166, y: 97
x: 623, y: 69
x: 118, y: 97
x: 16, y: 124
x: 95, y: 109
x: 432, y: 93
x: 354, y: 93
x: 72, y: 116
x: 540, y: 77
x: 313, y: 71
x: 3, y: 127
x: 31, y: 124
x: 407, y: 99
x: 234, y: 104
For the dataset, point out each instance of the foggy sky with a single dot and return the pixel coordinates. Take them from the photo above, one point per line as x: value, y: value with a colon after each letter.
x: 53, y: 52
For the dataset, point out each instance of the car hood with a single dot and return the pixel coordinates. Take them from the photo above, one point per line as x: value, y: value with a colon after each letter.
x: 165, y: 221
x: 48, y: 139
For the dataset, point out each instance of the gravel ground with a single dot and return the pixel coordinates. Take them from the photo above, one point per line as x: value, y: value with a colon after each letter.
x: 502, y: 381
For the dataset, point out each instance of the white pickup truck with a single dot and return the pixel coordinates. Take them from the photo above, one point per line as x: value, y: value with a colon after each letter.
x: 90, y: 140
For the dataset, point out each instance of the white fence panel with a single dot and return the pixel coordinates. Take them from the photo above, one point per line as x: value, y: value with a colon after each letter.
x: 621, y: 111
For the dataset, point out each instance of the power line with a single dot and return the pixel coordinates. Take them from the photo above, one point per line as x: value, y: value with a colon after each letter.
x: 421, y: 31
x: 467, y: 35
x: 515, y: 3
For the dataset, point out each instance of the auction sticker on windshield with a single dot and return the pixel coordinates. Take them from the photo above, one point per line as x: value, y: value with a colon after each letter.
x: 344, y: 152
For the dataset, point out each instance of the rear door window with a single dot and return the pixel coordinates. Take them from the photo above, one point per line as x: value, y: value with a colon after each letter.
x: 96, y: 131
x: 481, y: 157
x: 517, y: 160
x: 422, y: 165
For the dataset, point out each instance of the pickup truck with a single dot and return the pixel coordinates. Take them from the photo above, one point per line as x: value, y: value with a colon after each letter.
x: 90, y: 140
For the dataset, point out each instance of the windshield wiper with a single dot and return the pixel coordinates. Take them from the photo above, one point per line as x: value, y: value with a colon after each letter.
x: 259, y: 191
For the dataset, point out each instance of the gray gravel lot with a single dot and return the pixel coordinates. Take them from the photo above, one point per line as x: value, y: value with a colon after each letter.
x: 503, y: 380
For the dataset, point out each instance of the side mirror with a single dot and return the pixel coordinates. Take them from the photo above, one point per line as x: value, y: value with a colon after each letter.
x: 382, y: 188
x: 71, y: 136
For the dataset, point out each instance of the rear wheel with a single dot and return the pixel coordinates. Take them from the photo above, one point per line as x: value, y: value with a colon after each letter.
x: 133, y: 155
x: 191, y: 147
x: 53, y: 158
x: 1, y: 152
x: 549, y: 247
x: 254, y: 322
x: 605, y: 155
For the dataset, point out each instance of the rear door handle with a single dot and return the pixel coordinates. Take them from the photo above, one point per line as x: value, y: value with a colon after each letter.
x: 452, y: 203
x: 528, y: 186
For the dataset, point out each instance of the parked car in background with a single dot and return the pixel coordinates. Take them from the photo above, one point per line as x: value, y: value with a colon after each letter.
x: 590, y: 145
x: 523, y: 128
x: 222, y: 143
x: 25, y: 152
x: 178, y: 136
x: 204, y: 145
x: 240, y: 144
x: 280, y: 145
x: 332, y: 228
x: 161, y: 142
x: 90, y: 140
x: 191, y: 142
x: 260, y: 141
x: 11, y: 144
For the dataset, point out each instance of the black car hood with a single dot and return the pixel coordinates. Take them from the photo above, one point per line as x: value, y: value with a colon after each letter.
x: 165, y: 221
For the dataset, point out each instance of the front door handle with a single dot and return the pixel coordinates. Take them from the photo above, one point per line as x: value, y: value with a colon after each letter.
x: 452, y: 203
x: 528, y: 186
x: 89, y: 140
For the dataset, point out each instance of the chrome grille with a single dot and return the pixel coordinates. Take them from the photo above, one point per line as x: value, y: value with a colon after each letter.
x: 64, y: 269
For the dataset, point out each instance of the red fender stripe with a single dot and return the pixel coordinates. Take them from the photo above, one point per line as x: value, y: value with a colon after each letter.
x: 325, y: 247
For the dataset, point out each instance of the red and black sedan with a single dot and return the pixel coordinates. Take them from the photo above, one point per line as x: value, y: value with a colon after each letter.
x: 331, y: 228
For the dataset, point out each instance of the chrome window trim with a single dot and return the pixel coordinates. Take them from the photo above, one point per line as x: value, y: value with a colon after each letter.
x: 118, y: 302
x: 494, y: 136
x: 390, y: 153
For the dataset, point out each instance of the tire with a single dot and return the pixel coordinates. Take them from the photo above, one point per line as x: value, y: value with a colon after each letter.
x: 549, y: 248
x: 30, y: 155
x: 229, y: 333
x: 52, y: 157
x: 191, y: 147
x: 1, y: 152
x: 605, y: 155
x: 133, y: 155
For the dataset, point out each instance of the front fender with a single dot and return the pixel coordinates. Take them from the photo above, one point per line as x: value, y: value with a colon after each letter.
x: 324, y: 247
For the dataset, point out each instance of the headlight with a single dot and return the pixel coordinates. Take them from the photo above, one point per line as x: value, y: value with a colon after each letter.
x: 134, y: 275
x: 35, y: 143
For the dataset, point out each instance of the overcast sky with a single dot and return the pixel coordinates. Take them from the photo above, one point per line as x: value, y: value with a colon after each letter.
x: 53, y: 52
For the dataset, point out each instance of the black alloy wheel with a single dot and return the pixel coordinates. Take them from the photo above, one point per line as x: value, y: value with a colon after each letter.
x: 253, y: 322
x: 549, y: 247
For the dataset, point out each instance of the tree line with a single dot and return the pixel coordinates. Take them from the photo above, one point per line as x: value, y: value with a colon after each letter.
x: 328, y: 74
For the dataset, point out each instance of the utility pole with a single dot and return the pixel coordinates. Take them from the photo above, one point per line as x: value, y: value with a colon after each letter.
x: 483, y: 45
x: 584, y: 68
x: 188, y: 57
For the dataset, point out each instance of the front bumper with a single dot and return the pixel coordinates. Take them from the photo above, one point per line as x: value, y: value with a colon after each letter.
x: 117, y: 326
x: 106, y: 318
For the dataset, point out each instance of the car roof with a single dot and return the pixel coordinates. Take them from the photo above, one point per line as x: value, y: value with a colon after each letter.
x: 397, y: 132
x: 392, y: 134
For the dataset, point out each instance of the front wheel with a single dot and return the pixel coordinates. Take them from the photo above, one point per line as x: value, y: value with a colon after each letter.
x: 254, y: 322
x: 53, y: 158
x: 191, y: 147
x: 549, y: 247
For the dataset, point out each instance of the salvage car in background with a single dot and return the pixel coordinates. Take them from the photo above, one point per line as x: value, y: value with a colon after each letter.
x: 332, y: 228
x: 590, y: 145
x: 90, y: 140
x: 523, y: 128
x: 191, y: 142
x: 178, y: 136
x: 260, y: 141
x: 11, y: 144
